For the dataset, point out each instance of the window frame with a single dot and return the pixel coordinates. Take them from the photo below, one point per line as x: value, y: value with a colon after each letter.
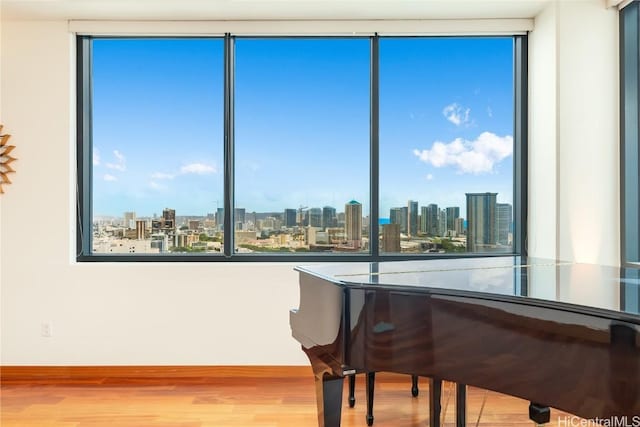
x: 84, y: 214
x: 629, y: 69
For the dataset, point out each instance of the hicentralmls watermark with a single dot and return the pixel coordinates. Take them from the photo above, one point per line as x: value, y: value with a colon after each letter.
x: 622, y: 421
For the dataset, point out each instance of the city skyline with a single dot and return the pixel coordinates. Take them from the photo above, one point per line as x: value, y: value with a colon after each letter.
x: 413, y: 228
x: 445, y: 126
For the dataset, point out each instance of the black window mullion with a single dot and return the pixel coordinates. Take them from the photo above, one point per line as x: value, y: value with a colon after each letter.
x: 229, y: 68
x: 84, y: 189
x: 374, y: 212
x: 520, y: 122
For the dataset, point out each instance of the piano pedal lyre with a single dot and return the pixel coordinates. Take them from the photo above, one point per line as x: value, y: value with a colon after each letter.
x: 539, y: 414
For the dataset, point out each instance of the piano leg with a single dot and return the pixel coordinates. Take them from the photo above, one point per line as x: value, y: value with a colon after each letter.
x: 461, y: 405
x: 414, y: 386
x: 539, y: 414
x: 371, y: 380
x: 329, y: 400
x: 435, y: 395
x: 352, y: 391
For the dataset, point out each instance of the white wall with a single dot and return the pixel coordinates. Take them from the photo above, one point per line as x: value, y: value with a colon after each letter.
x: 238, y: 313
x: 110, y: 313
x: 541, y: 239
x: 574, y: 142
x: 588, y: 122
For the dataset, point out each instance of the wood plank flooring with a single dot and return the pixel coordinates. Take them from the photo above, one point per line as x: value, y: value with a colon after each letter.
x: 234, y: 402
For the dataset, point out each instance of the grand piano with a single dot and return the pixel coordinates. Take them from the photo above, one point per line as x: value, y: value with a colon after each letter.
x: 558, y: 334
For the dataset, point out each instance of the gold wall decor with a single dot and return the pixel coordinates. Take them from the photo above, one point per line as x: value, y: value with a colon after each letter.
x: 5, y: 160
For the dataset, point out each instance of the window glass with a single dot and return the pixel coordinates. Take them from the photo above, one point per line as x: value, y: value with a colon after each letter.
x: 446, y: 144
x: 630, y: 94
x: 302, y: 137
x: 157, y: 173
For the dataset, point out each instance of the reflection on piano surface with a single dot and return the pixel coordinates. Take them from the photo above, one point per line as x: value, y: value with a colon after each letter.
x: 558, y: 334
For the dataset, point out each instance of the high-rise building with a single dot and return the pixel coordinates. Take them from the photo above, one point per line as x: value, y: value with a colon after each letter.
x: 452, y: 214
x: 442, y: 223
x: 430, y: 219
x: 353, y: 223
x: 459, y: 226
x: 391, y: 238
x: 400, y: 216
x: 504, y: 215
x: 315, y: 217
x: 240, y: 216
x: 329, y: 218
x: 290, y: 217
x: 220, y: 218
x: 481, y: 221
x: 141, y: 228
x: 169, y: 217
x: 395, y: 216
x: 130, y: 219
x: 412, y: 218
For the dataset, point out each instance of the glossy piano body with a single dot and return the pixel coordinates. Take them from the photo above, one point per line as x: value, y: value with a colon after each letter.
x: 563, y: 335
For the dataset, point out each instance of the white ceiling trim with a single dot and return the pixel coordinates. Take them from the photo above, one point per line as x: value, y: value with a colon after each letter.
x: 620, y: 4
x: 306, y: 27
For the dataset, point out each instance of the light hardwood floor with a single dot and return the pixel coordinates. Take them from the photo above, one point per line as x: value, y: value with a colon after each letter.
x: 234, y: 402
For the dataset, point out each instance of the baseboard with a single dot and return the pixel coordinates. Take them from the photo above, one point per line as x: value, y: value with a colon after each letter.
x: 155, y: 374
x: 151, y: 373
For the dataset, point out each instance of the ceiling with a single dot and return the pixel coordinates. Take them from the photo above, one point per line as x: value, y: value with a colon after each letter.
x: 268, y: 9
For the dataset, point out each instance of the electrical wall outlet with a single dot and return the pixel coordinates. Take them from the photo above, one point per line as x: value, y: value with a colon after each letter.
x: 46, y: 329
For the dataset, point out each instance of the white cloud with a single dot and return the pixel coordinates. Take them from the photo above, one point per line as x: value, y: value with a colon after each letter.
x: 120, y: 163
x: 198, y: 168
x: 162, y: 175
x: 456, y: 114
x: 96, y: 157
x: 154, y: 185
x: 429, y: 177
x: 475, y: 157
x: 108, y: 177
x: 192, y: 168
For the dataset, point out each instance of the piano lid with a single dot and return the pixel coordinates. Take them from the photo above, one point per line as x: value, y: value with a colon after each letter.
x: 600, y: 290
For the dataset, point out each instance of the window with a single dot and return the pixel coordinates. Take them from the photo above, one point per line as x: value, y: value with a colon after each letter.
x: 157, y: 151
x: 301, y: 145
x: 630, y: 132
x: 446, y: 144
x: 300, y: 148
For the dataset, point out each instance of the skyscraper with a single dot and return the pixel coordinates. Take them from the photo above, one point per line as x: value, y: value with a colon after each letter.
x: 481, y: 221
x: 315, y: 217
x: 220, y: 218
x: 442, y: 223
x: 329, y: 217
x: 431, y: 218
x: 169, y: 217
x: 240, y: 215
x: 290, y: 217
x: 395, y: 216
x: 412, y: 218
x: 130, y: 219
x: 452, y: 214
x: 504, y: 215
x: 353, y: 223
x: 391, y: 238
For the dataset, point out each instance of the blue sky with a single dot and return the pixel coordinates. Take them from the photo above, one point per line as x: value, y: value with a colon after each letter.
x: 302, y: 123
